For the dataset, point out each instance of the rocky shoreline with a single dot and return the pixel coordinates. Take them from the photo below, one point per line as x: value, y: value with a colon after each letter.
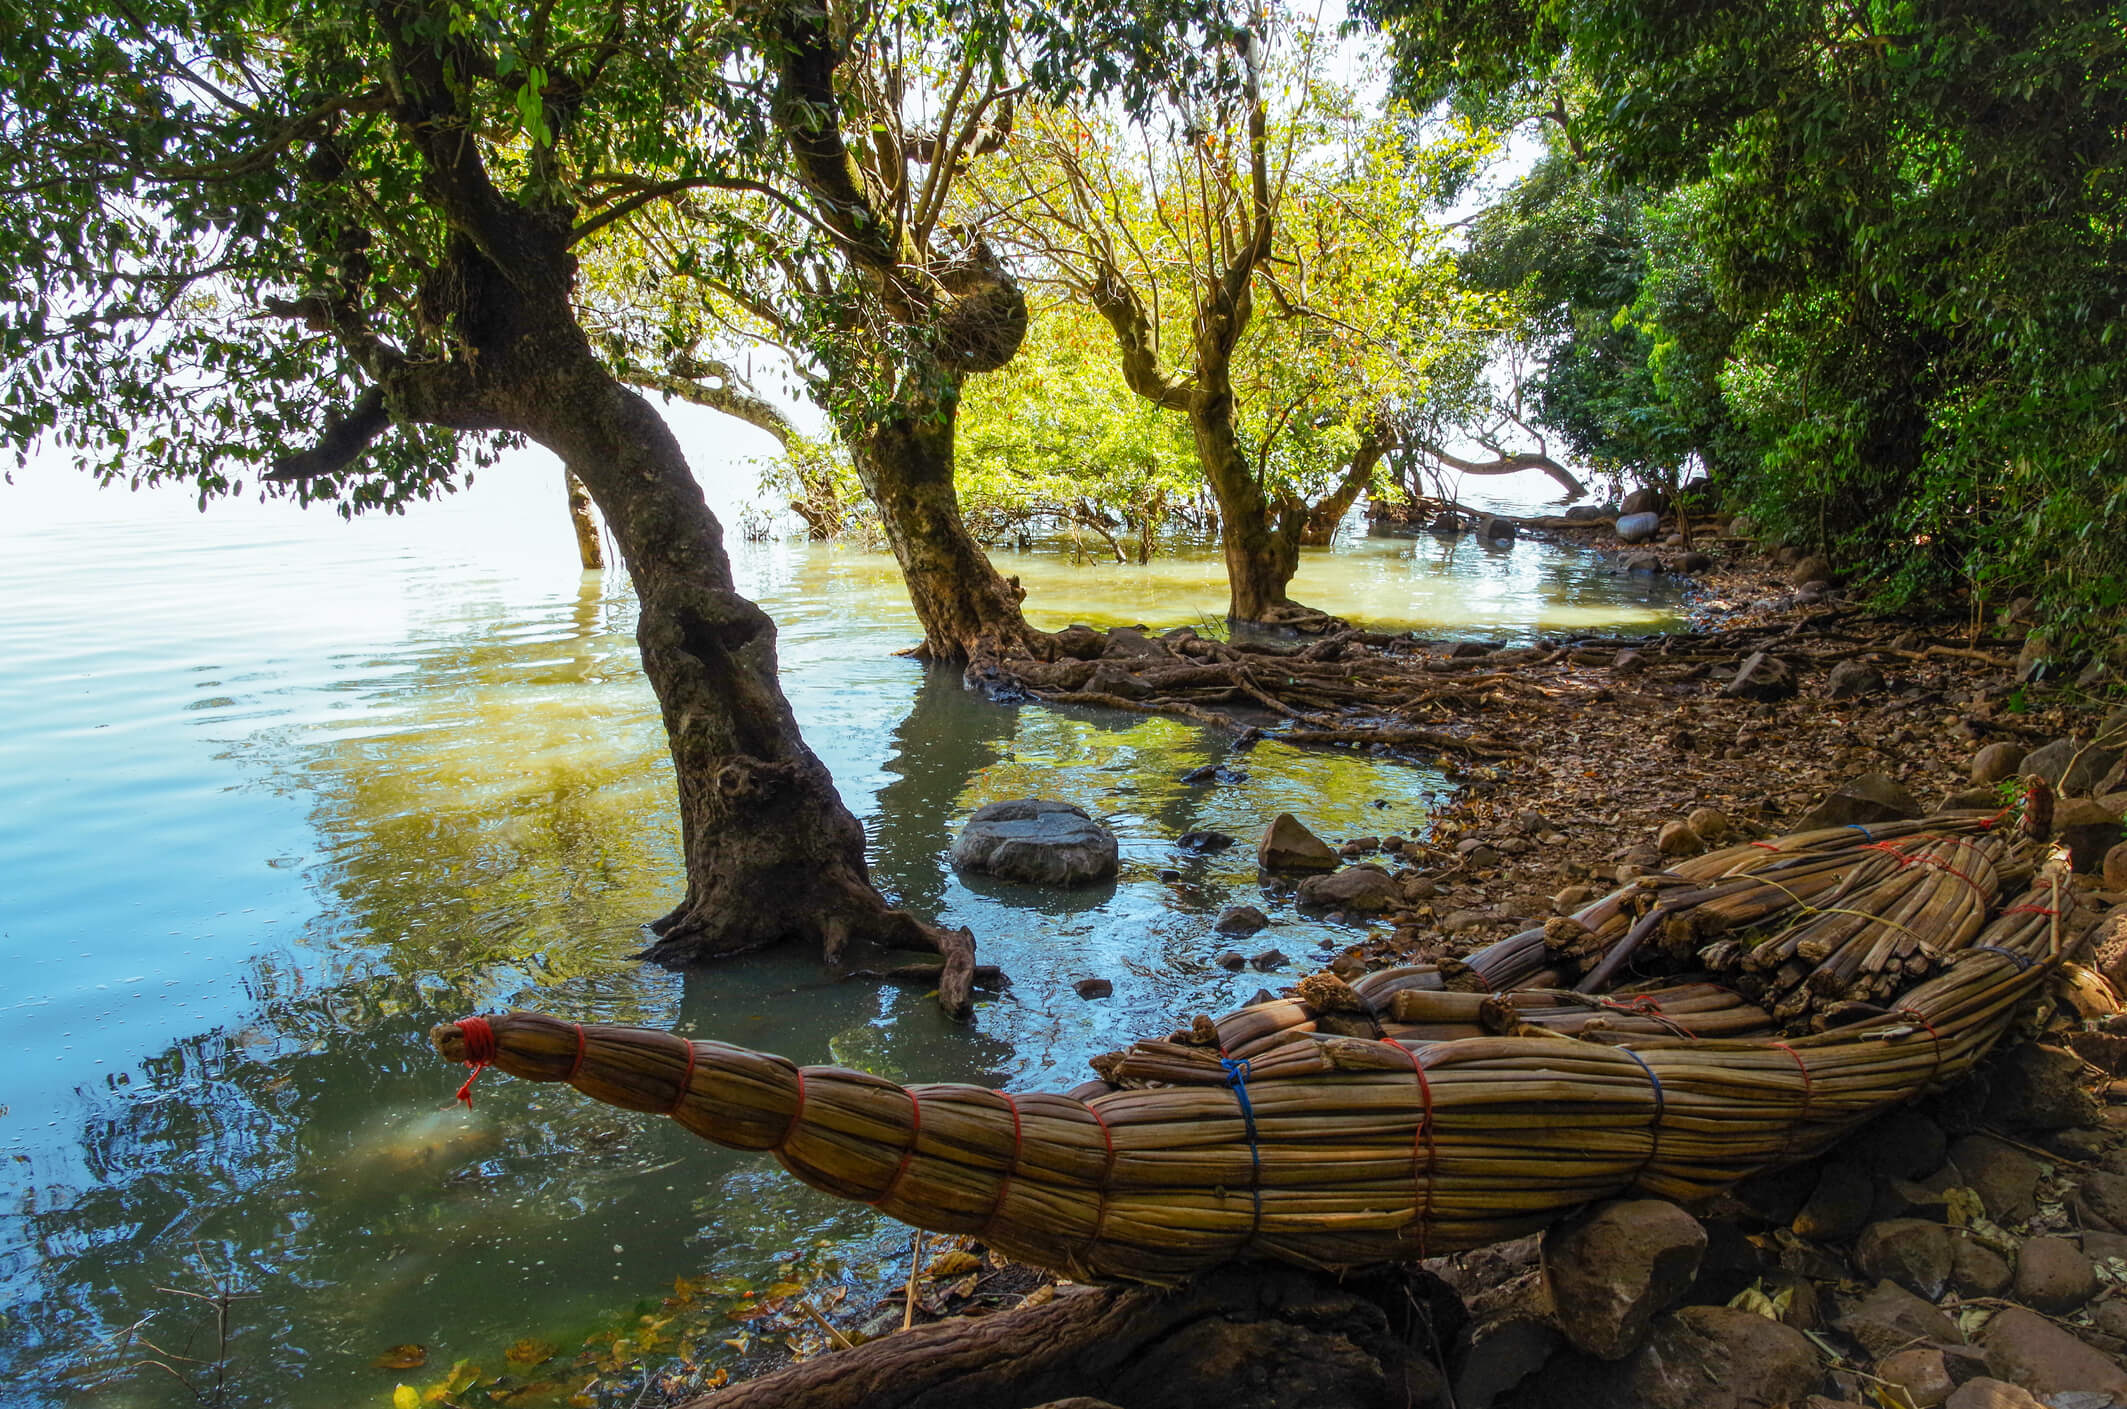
x: 1970, y: 1250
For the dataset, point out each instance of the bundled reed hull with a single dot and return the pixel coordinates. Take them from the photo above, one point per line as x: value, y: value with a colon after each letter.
x: 1320, y: 1132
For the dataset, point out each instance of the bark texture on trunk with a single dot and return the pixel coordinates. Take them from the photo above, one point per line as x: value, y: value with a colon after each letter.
x: 772, y: 854
x: 589, y: 551
x: 968, y: 609
x: 1326, y: 516
x: 1252, y: 1338
x: 1259, y: 536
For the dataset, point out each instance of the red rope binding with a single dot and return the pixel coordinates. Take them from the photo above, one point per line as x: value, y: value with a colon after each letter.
x: 1422, y: 1146
x: 1107, y: 1172
x: 1004, y: 1185
x: 915, y: 1133
x: 1933, y: 1037
x: 479, y: 1053
x: 1807, y: 1090
x: 577, y: 1065
x: 684, y: 1081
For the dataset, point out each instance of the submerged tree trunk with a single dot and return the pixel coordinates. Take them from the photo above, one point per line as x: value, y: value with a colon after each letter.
x: 772, y: 854
x: 968, y: 609
x: 1325, y: 517
x: 589, y: 551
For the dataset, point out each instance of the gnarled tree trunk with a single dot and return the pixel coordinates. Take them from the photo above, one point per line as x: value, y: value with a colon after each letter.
x: 772, y: 854
x: 1260, y: 539
x: 968, y: 609
x: 1325, y: 517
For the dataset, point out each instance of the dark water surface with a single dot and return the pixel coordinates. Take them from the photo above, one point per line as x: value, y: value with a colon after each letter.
x: 278, y: 792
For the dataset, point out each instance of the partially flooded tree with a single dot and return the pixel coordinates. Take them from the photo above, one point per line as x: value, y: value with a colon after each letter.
x: 1259, y: 250
x: 330, y: 247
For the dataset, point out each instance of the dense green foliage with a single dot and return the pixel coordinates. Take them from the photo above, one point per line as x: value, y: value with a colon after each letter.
x: 1888, y: 235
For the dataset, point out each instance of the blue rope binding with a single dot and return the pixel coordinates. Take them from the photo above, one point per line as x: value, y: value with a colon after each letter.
x: 1237, y: 1078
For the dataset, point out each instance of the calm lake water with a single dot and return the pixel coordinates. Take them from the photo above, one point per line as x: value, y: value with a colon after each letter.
x: 278, y: 792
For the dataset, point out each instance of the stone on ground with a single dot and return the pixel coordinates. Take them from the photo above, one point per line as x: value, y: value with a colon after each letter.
x: 1840, y: 1205
x: 1036, y: 842
x: 1762, y: 677
x: 1989, y: 1393
x: 1638, y: 528
x: 1921, y: 1372
x: 1890, y: 1318
x: 2052, y: 1275
x: 1678, y: 839
x: 1699, y: 1357
x: 2089, y: 830
x: 1612, y: 1271
x: 1366, y: 889
x: 1871, y: 797
x: 1289, y: 846
x: 1996, y: 762
x: 2040, y: 1087
x: 1811, y: 569
x: 2029, y: 1351
x: 2004, y: 1177
x: 1851, y: 679
x: 1913, y: 1252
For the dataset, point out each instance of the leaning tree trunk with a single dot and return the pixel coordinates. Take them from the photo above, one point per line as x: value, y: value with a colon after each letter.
x: 1249, y: 1338
x: 969, y: 611
x: 1261, y: 543
x: 589, y: 551
x: 772, y: 854
x: 1327, y: 516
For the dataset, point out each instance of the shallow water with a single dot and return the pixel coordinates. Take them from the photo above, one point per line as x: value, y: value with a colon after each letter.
x: 278, y: 792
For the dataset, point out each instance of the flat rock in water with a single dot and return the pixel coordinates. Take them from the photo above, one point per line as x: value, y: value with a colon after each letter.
x: 1240, y: 919
x: 1289, y: 846
x: 1763, y: 677
x: 1204, y: 843
x: 1091, y: 988
x: 1638, y: 528
x: 1367, y: 889
x: 1036, y: 842
x: 1872, y: 797
x: 1496, y: 530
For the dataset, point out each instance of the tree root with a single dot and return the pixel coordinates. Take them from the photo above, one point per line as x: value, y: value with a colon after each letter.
x: 1248, y: 1338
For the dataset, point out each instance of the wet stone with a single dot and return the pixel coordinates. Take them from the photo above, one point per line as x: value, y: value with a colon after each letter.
x: 1270, y: 959
x: 1203, y: 843
x: 1289, y: 846
x: 1240, y: 920
x: 1036, y: 842
x: 1090, y: 988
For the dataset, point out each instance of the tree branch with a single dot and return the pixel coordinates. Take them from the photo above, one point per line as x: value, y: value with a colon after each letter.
x: 344, y: 442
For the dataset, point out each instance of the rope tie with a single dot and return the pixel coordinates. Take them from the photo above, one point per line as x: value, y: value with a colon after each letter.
x: 2030, y: 910
x: 577, y: 1065
x: 1422, y: 1147
x: 915, y: 1133
x: 1766, y: 846
x: 1237, y: 1078
x: 1934, y: 1037
x: 479, y: 1053
x: 1654, y: 1126
x: 1643, y: 1006
x: 2023, y: 965
x: 1004, y: 1185
x: 1865, y: 832
x: 1107, y: 1172
x: 684, y: 1081
x: 1802, y: 1118
x: 1903, y: 857
x: 797, y: 1112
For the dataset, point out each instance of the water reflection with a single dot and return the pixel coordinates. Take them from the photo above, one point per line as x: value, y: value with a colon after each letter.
x: 475, y: 799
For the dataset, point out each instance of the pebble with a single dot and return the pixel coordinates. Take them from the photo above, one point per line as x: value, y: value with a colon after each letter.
x: 1090, y: 988
x: 1678, y: 839
x: 1270, y: 959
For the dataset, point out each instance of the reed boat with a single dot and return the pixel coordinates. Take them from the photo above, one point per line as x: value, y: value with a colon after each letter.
x: 1744, y: 1010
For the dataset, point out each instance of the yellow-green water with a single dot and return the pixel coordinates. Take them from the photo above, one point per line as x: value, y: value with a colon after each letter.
x: 279, y: 792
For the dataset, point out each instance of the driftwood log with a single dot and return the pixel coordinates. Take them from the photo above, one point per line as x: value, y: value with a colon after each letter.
x: 1252, y: 1338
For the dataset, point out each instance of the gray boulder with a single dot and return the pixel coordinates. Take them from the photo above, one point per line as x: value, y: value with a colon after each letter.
x: 1852, y: 679
x: 1496, y: 530
x: 1645, y: 500
x: 1036, y: 842
x: 1638, y: 528
x: 1584, y: 513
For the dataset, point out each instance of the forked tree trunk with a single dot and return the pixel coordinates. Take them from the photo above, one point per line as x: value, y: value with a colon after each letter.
x: 589, y: 551
x: 772, y: 855
x: 1260, y: 540
x: 1327, y: 516
x: 1249, y: 1338
x: 967, y: 608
